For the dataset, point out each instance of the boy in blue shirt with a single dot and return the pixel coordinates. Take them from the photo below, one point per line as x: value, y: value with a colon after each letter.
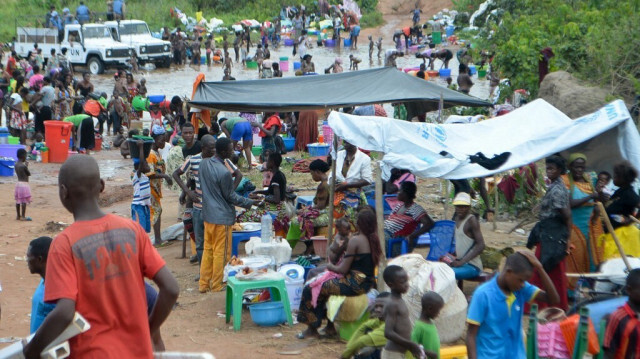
x: 496, y: 309
x: 37, y: 262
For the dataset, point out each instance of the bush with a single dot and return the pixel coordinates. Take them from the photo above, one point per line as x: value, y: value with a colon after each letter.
x: 596, y: 40
x: 371, y: 19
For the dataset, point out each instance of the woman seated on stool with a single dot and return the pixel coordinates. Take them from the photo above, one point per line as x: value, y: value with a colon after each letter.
x: 274, y: 200
x: 408, y: 219
x: 469, y: 240
x: 316, y: 215
x: 352, y: 277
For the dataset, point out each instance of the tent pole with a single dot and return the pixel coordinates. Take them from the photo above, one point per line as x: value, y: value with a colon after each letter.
x: 445, y: 193
x: 607, y: 222
x: 332, y: 188
x: 380, y: 220
x: 495, y: 205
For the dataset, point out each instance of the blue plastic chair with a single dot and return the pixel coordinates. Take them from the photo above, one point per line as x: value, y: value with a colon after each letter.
x: 238, y: 237
x: 442, y: 239
x: 385, y: 205
x: 404, y: 249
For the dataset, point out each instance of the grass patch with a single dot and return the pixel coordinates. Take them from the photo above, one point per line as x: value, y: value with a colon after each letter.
x: 372, y: 19
x: 158, y: 15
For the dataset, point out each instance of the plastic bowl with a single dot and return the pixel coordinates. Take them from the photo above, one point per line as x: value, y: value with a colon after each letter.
x: 289, y: 143
x: 317, y: 149
x: 268, y: 314
x: 156, y: 98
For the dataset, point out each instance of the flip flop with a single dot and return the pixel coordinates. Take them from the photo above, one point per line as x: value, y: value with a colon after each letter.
x: 27, y: 219
x: 162, y: 245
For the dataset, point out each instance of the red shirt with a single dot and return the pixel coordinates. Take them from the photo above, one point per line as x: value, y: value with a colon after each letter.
x: 100, y: 264
x: 623, y: 333
x: 274, y: 120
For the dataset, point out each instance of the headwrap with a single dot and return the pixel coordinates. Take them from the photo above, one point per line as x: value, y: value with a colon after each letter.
x: 575, y: 156
x: 158, y: 130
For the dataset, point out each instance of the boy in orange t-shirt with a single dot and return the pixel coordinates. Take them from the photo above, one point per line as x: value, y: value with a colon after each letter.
x: 96, y: 267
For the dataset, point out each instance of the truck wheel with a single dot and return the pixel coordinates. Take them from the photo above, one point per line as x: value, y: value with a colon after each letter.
x: 95, y: 65
x: 165, y: 63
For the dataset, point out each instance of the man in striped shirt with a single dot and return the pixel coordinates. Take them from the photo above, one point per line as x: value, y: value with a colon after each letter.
x: 192, y: 166
x: 141, y: 203
x: 622, y: 338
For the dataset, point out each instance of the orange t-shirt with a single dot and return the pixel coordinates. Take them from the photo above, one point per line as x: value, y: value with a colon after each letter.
x: 101, y: 265
x: 271, y: 121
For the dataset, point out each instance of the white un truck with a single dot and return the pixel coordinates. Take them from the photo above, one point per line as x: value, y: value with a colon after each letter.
x: 135, y: 33
x: 89, y: 45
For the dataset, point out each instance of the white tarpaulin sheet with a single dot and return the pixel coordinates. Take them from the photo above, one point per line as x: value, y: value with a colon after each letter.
x: 529, y: 133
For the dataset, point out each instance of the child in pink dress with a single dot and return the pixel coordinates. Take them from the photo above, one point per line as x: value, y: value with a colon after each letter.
x: 23, y: 191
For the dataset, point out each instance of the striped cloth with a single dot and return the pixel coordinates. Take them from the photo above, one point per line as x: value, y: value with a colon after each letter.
x: 191, y: 166
x: 141, y: 189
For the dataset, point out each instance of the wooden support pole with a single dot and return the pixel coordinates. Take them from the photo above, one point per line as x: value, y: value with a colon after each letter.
x: 607, y: 222
x: 332, y: 187
x: 444, y: 184
x: 495, y: 204
x: 380, y: 220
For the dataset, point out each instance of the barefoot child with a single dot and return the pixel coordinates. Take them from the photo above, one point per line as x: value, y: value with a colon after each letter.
x: 495, y: 312
x: 425, y: 332
x: 371, y: 44
x: 379, y: 46
x: 396, y: 317
x: 22, y: 192
x: 353, y: 62
x: 336, y: 249
x: 141, y: 203
x: 369, y: 337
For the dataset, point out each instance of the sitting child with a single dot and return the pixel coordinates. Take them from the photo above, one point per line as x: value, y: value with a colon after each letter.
x: 425, y: 332
x: 266, y: 174
x: 367, y: 340
x: 123, y: 143
x: 396, y: 317
x: 337, y: 248
x: 39, y: 142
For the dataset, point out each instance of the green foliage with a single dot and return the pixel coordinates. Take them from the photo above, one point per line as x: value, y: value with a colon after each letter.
x: 158, y: 14
x: 371, y: 19
x: 596, y: 40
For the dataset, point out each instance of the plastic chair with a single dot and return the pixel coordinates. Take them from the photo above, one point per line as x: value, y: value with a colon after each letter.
x: 442, y: 241
x: 404, y: 249
x: 580, y: 347
x: 532, y: 333
x: 386, y: 207
x: 304, y: 200
x: 238, y: 237
x: 236, y: 288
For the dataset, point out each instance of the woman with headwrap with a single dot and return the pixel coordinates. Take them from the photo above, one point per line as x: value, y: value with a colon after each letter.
x: 551, y: 233
x: 585, y: 254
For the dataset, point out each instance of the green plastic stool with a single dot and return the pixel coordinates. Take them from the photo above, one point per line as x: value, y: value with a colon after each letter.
x: 236, y: 288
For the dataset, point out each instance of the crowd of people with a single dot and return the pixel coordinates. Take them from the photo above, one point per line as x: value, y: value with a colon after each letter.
x: 202, y: 159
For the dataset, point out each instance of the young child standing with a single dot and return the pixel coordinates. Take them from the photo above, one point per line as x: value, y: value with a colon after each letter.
x: 425, y: 332
x: 495, y: 312
x: 141, y: 203
x: 37, y: 262
x: 396, y: 317
x: 23, y: 191
x: 371, y: 45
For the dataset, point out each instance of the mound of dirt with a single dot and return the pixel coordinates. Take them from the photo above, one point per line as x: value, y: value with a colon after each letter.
x: 571, y: 95
x: 115, y: 194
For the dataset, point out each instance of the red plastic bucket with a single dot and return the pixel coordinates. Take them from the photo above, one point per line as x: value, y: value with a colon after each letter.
x: 98, y: 146
x: 57, y: 135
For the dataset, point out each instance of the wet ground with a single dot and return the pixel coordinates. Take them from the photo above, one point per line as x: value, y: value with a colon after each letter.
x: 178, y: 80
